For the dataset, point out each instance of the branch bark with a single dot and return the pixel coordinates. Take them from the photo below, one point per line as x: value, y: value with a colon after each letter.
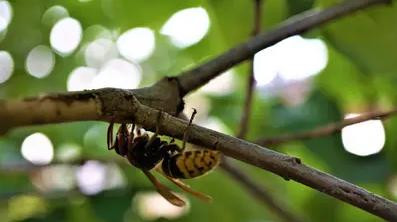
x: 140, y: 106
x: 325, y: 130
x: 244, y: 121
x: 122, y: 106
x: 199, y: 76
x: 257, y: 191
x: 240, y: 177
x: 77, y: 106
x: 167, y: 94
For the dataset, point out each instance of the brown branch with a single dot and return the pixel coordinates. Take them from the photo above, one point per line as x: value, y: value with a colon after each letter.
x: 245, y: 116
x: 325, y: 130
x: 257, y: 191
x: 74, y: 106
x: 123, y: 106
x: 238, y: 175
x: 199, y: 76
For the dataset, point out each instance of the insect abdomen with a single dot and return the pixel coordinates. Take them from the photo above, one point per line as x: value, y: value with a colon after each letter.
x: 191, y: 164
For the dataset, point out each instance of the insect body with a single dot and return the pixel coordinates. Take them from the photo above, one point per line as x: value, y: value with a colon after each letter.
x: 190, y: 164
x: 146, y: 153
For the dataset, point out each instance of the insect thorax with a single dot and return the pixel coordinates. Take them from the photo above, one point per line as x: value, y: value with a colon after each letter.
x: 144, y: 157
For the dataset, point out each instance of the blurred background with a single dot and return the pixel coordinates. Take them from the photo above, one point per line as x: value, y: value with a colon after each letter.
x: 63, y: 172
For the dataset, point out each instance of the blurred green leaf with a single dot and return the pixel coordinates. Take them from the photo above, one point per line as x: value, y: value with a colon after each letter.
x: 366, y: 37
x: 359, y: 76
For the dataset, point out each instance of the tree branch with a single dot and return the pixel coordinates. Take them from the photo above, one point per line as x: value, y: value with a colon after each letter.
x: 244, y: 121
x: 325, y: 130
x: 199, y: 76
x: 237, y: 174
x: 258, y: 192
x: 122, y: 106
x: 76, y: 106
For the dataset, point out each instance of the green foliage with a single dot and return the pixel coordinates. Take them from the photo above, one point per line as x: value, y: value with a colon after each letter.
x: 360, y: 74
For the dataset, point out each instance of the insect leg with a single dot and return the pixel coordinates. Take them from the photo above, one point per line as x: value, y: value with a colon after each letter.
x: 110, y: 136
x: 131, y: 136
x: 156, y: 133
x: 187, y: 129
x: 121, y: 144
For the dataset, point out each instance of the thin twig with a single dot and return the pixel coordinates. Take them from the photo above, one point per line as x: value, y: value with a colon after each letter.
x: 325, y: 130
x: 122, y: 106
x: 257, y: 191
x: 246, y: 113
x: 199, y: 76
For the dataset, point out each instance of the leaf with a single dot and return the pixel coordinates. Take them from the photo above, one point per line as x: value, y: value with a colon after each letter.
x: 367, y: 37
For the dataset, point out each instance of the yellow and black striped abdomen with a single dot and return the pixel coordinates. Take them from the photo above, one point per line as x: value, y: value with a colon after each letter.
x: 191, y: 164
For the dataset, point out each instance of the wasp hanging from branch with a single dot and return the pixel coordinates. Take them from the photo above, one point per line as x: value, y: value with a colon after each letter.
x: 170, y: 160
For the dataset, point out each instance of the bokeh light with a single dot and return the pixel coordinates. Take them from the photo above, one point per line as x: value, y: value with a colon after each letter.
x: 54, y: 14
x: 6, y: 66
x: 37, y: 149
x: 99, y: 52
x: 91, y: 177
x: 40, y: 61
x: 221, y: 85
x: 365, y: 138
x: 68, y: 152
x: 136, y: 44
x: 151, y: 206
x: 52, y: 178
x: 201, y: 103
x: 294, y: 58
x: 65, y: 36
x: 81, y: 78
x: 216, y: 124
x: 187, y: 27
x: 114, y: 177
x: 93, y: 32
x: 5, y: 15
x: 118, y: 73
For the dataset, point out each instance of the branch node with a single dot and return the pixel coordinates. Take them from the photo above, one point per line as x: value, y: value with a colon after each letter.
x: 216, y: 145
x: 294, y: 160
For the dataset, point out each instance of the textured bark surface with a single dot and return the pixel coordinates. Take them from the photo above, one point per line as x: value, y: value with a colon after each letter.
x: 141, y: 106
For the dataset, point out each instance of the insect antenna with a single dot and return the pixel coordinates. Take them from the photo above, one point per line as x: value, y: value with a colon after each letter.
x: 185, y: 134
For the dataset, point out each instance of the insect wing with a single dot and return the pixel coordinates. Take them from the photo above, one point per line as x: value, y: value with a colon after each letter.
x: 164, y: 191
x: 186, y: 188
